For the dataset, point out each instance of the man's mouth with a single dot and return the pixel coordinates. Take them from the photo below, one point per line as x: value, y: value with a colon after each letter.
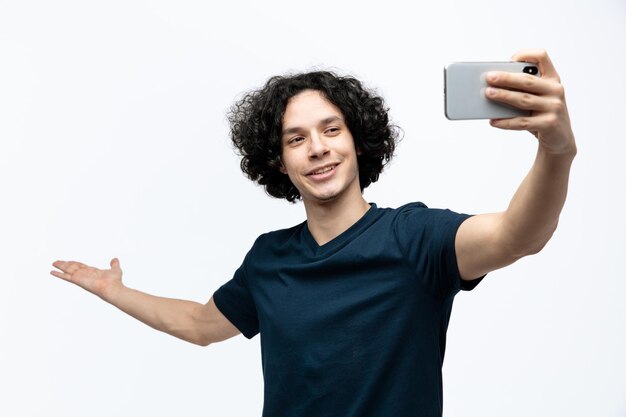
x: 323, y: 170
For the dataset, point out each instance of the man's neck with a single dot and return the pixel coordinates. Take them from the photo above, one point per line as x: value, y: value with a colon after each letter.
x: 328, y: 220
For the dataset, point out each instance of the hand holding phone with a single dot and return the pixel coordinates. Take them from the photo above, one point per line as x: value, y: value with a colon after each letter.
x: 538, y: 98
x: 464, y: 90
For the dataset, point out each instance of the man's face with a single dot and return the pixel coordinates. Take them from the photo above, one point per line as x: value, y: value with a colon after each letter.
x: 318, y: 152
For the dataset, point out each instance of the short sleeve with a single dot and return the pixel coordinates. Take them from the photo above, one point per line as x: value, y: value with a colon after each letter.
x: 235, y: 301
x: 427, y: 240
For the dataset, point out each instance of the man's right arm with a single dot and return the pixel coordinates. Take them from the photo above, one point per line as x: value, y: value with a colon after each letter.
x: 193, y: 322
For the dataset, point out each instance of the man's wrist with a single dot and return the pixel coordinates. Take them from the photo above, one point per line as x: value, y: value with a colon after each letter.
x: 114, y: 294
x: 566, y: 153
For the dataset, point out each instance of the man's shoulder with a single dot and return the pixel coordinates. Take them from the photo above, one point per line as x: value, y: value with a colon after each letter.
x: 419, y: 215
x: 412, y: 205
x: 403, y: 209
x: 279, y: 235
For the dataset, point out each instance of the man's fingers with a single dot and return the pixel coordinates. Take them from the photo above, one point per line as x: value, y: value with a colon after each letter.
x: 531, y: 123
x: 521, y: 100
x: 544, y: 96
x: 521, y: 82
x: 61, y: 275
x: 115, y: 263
x: 67, y: 269
x: 539, y: 57
x: 70, y: 266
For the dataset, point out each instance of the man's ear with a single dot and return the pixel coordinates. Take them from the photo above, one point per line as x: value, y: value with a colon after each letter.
x: 282, y: 168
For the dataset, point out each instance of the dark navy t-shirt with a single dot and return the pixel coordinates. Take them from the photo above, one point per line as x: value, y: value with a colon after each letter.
x: 355, y: 327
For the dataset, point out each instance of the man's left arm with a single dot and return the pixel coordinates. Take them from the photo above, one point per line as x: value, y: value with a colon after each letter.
x: 487, y: 242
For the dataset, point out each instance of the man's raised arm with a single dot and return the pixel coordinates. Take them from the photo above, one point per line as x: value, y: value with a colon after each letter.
x: 193, y: 322
x: 490, y: 241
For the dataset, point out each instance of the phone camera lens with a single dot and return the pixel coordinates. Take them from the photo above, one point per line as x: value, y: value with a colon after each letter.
x: 530, y: 70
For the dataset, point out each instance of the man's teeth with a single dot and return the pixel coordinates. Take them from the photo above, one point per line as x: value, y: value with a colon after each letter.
x: 321, y: 171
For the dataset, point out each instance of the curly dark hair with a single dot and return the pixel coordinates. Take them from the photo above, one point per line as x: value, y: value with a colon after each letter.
x: 256, y: 126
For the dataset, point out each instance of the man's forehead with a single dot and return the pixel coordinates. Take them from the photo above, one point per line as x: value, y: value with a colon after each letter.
x: 309, y: 107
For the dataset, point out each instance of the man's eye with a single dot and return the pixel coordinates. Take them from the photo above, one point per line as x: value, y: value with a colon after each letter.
x: 332, y: 130
x: 296, y: 139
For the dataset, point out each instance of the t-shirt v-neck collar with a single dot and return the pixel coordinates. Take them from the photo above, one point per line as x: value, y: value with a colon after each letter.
x: 339, y: 240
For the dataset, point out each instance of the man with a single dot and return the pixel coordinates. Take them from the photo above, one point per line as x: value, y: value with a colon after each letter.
x: 353, y: 304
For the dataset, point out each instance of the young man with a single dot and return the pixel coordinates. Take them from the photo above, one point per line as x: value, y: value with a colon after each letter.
x: 353, y: 304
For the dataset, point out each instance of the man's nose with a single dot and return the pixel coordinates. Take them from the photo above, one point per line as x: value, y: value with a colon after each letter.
x: 317, y: 146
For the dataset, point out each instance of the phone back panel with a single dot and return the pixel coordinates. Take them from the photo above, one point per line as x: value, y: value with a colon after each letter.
x: 464, y: 91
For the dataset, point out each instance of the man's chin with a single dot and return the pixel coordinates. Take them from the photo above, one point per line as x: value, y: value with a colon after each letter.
x: 328, y: 198
x: 323, y: 198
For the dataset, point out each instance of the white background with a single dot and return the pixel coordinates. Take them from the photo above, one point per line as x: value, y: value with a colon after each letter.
x: 114, y: 143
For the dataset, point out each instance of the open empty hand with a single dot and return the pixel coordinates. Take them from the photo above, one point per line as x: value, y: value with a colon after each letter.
x: 102, y: 282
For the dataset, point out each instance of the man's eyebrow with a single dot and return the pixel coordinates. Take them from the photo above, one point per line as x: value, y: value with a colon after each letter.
x: 325, y: 121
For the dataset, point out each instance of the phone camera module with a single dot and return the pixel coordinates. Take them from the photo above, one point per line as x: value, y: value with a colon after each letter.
x: 530, y: 70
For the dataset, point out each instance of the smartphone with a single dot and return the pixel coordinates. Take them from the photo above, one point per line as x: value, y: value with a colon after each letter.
x: 464, y: 90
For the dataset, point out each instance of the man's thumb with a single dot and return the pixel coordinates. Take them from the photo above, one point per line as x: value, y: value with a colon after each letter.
x: 115, y: 263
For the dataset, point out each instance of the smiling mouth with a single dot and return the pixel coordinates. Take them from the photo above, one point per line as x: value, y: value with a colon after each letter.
x: 323, y: 170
